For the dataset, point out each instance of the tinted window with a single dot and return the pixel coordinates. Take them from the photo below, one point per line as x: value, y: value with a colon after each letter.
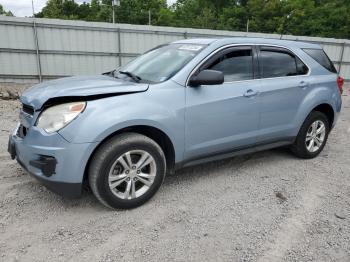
x: 301, y: 67
x: 320, y: 56
x: 236, y: 65
x: 279, y: 63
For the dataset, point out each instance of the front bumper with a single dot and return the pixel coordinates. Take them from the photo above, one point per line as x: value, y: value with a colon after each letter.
x: 56, y: 163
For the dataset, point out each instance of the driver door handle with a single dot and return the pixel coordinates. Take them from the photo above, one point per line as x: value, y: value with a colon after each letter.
x: 250, y: 93
x: 303, y: 84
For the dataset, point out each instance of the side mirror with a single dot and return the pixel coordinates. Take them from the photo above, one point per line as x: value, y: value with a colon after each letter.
x: 207, y: 77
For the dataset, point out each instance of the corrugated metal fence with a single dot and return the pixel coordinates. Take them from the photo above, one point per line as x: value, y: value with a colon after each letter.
x: 31, y: 50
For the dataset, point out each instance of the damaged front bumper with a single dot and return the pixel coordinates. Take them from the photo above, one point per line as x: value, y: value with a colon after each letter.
x: 55, y: 162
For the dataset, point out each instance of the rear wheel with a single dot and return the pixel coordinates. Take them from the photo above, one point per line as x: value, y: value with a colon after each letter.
x: 312, y: 136
x: 127, y: 170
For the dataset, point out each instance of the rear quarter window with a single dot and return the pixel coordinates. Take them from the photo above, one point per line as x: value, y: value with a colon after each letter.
x: 321, y: 57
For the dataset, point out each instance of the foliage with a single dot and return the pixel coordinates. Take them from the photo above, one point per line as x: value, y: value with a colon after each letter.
x: 3, y: 12
x: 328, y: 18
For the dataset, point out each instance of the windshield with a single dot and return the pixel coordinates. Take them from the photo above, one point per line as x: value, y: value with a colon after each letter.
x: 161, y: 63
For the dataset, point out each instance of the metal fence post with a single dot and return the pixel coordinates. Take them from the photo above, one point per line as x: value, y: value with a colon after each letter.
x: 341, y: 57
x: 119, y: 48
x: 37, y: 50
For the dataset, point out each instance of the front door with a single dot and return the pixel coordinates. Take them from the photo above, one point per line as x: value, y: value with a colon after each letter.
x: 223, y: 118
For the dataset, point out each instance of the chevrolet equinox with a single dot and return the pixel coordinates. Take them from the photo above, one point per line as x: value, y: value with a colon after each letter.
x: 179, y: 104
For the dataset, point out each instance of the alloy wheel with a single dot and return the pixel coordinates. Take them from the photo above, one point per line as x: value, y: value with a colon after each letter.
x: 132, y: 174
x: 315, y: 136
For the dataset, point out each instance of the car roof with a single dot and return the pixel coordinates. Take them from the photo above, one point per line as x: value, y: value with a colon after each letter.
x: 248, y: 40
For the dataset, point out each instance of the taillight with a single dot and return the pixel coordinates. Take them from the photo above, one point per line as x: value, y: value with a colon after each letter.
x: 340, y: 83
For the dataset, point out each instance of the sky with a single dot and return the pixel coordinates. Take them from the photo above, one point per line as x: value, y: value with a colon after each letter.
x: 23, y: 8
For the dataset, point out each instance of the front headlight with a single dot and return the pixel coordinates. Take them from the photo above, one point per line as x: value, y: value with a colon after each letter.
x: 56, y: 117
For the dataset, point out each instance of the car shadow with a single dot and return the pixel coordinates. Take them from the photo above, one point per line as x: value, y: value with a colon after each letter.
x: 236, y: 163
x: 182, y: 176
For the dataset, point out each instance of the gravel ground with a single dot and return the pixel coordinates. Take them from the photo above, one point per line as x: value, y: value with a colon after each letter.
x: 268, y: 206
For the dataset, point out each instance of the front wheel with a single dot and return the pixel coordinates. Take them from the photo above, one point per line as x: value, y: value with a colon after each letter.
x: 312, y: 136
x: 127, y: 170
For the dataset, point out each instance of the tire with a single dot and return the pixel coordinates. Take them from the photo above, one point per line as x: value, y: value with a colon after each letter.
x: 111, y: 165
x: 301, y: 147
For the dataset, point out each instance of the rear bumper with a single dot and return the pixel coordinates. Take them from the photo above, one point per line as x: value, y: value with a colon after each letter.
x: 56, y: 163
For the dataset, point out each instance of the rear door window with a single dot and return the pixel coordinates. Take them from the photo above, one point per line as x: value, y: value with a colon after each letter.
x: 321, y: 57
x: 279, y: 62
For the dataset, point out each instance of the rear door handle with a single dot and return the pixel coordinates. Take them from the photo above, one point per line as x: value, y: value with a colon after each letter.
x: 303, y: 84
x: 250, y: 93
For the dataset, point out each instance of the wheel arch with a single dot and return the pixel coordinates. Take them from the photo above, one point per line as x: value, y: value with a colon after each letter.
x: 154, y: 133
x: 324, y: 106
x: 326, y: 109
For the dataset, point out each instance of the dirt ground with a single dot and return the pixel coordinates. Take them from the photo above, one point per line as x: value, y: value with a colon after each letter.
x: 268, y: 206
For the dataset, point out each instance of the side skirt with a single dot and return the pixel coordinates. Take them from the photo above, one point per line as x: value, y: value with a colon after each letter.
x: 241, y: 151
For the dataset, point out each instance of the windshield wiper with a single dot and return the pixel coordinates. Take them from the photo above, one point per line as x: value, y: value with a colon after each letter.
x: 110, y: 73
x: 131, y: 75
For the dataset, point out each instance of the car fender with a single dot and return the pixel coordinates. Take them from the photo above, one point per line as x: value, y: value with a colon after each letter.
x: 112, y: 114
x: 314, y: 98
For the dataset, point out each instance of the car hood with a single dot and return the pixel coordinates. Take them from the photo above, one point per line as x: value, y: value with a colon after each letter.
x: 82, y: 87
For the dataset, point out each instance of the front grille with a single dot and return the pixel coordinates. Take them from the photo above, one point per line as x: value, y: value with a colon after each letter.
x: 28, y: 109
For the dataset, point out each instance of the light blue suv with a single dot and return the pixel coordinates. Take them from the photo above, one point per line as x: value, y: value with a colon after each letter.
x: 177, y: 105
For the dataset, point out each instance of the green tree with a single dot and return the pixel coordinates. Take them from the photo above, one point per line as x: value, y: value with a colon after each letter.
x: 195, y: 13
x: 165, y: 17
x: 63, y: 9
x: 136, y: 12
x: 233, y: 18
x: 329, y: 18
x: 6, y: 13
x: 265, y: 16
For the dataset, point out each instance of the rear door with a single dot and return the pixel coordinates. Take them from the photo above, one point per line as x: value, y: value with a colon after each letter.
x: 284, y: 83
x: 223, y: 118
